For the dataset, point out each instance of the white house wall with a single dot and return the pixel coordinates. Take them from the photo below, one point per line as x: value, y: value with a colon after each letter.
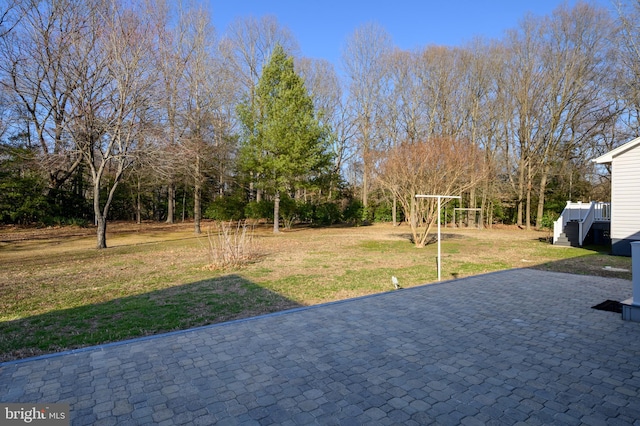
x: 625, y: 200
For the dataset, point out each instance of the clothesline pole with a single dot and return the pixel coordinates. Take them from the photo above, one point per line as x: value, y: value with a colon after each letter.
x: 439, y: 197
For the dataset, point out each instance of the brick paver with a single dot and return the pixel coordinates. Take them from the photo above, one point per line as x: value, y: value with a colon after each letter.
x: 503, y: 348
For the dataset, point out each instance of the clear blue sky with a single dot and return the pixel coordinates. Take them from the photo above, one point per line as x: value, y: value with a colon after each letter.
x: 321, y: 27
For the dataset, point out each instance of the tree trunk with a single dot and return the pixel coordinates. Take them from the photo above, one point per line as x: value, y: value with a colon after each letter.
x: 184, y: 204
x: 197, y: 208
x: 365, y: 176
x: 101, y: 220
x: 101, y: 231
x: 414, y: 222
x: 483, y: 207
x: 197, y: 202
x: 139, y: 204
x: 528, y: 209
x: 394, y: 216
x: 276, y: 213
x: 365, y: 190
x: 520, y: 212
x: 529, y: 191
x: 472, y: 205
x: 543, y: 188
x: 171, y: 202
x: 521, y: 185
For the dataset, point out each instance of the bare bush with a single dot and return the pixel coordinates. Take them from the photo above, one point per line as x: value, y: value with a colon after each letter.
x: 230, y: 246
x: 439, y: 165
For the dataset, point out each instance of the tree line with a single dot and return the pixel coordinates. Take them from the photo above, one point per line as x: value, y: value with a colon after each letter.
x: 142, y: 111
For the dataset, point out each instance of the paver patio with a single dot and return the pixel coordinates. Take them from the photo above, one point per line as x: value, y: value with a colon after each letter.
x: 502, y: 348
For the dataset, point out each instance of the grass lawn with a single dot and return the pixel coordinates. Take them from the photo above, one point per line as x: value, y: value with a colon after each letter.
x: 58, y: 292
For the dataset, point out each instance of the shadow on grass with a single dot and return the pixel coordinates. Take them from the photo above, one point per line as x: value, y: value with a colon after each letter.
x: 594, y: 260
x: 306, y: 226
x: 432, y: 238
x: 598, y: 262
x: 181, y: 307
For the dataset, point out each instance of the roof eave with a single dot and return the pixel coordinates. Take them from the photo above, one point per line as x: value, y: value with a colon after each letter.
x: 608, y: 157
x: 603, y: 159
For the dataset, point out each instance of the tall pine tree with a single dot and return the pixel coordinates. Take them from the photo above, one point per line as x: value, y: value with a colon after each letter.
x: 284, y: 144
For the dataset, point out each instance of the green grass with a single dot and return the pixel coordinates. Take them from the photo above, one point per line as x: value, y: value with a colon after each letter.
x: 387, y: 246
x: 127, y: 317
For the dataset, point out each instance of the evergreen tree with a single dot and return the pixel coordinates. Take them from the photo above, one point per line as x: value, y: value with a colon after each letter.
x: 284, y: 145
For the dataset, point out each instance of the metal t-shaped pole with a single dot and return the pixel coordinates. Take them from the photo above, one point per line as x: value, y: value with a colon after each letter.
x: 439, y: 197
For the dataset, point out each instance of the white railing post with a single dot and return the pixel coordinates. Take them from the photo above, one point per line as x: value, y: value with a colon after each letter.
x: 560, y: 223
x: 580, y: 239
x: 586, y: 222
x: 631, y: 307
x: 635, y: 272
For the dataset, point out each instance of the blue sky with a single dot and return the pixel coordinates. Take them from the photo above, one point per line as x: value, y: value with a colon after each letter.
x: 322, y: 28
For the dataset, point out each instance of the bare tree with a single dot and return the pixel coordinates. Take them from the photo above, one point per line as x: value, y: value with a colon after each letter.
x: 556, y: 73
x: 626, y: 86
x: 196, y: 115
x: 248, y: 45
x: 34, y: 60
x: 10, y: 16
x: 111, y: 103
x: 575, y: 58
x: 489, y: 128
x: 172, y: 55
x: 325, y: 89
x: 437, y: 166
x: 208, y: 106
x: 407, y: 103
x: 525, y: 85
x: 364, y: 58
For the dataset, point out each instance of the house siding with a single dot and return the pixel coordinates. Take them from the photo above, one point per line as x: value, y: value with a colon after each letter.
x: 625, y: 201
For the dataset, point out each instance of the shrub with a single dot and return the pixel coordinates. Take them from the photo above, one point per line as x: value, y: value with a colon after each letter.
x: 327, y: 214
x: 288, y: 210
x: 548, y: 218
x: 259, y: 210
x: 305, y: 211
x: 65, y: 221
x: 383, y: 212
x: 353, y: 212
x: 230, y: 246
x: 22, y: 199
x: 225, y: 208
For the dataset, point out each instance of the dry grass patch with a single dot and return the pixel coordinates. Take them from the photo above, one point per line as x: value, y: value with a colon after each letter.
x: 58, y: 292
